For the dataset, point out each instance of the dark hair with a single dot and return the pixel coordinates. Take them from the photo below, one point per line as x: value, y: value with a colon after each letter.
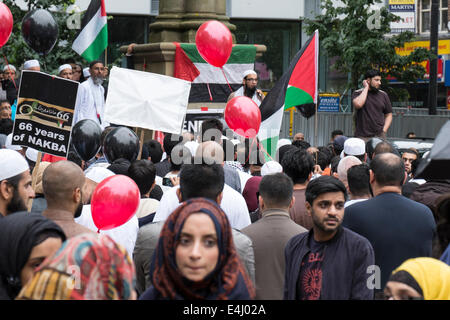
x: 414, y: 165
x: 276, y: 190
x: 14, y: 181
x: 411, y: 151
x: 75, y: 158
x: 388, y: 170
x: 336, y: 133
x: 183, y: 156
x: 155, y: 151
x: 298, y: 164
x: 384, y: 147
x: 334, y: 164
x: 6, y: 126
x: 324, y: 157
x: 170, y: 141
x: 120, y: 166
x: 409, y: 134
x: 358, y: 178
x: 201, y: 180
x: 229, y: 149
x: 321, y: 185
x: 212, y: 124
x: 93, y: 63
x: 283, y: 150
x: 143, y: 172
x: 302, y: 144
x: 103, y: 136
x: 372, y: 73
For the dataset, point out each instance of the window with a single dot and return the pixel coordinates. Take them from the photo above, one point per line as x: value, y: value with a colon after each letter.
x: 425, y: 15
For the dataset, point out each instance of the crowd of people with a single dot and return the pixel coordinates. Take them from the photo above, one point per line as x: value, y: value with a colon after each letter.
x: 221, y: 219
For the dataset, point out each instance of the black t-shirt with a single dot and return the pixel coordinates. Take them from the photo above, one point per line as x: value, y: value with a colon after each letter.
x: 370, y: 118
x: 309, y: 282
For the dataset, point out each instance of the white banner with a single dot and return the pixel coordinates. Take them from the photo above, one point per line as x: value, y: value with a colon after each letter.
x: 146, y: 100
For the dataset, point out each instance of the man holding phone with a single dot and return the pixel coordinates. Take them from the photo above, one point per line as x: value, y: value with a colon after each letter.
x: 373, y: 108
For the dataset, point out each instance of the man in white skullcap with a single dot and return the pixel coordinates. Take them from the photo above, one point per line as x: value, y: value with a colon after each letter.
x: 15, y: 182
x: 90, y: 102
x: 248, y: 89
x: 65, y: 71
x: 9, y: 84
x: 32, y: 65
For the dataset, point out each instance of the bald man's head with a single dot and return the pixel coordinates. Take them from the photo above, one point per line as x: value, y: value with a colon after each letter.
x: 59, y: 182
x: 345, y: 164
x: 388, y: 169
x: 210, y: 152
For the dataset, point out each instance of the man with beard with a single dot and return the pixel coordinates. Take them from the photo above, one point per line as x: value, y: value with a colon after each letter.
x: 329, y: 262
x: 15, y: 182
x: 90, y: 102
x: 373, y: 108
x: 248, y: 89
x: 63, y: 182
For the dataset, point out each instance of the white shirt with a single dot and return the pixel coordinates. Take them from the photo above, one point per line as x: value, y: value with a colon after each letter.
x: 90, y: 102
x: 243, y: 176
x: 124, y: 235
x: 233, y: 204
x: 240, y: 92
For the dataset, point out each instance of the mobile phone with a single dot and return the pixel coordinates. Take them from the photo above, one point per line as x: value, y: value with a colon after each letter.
x: 166, y: 182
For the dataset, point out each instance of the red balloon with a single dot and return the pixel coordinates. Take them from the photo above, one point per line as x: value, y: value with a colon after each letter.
x: 114, y: 202
x: 214, y: 42
x: 243, y: 116
x: 6, y: 24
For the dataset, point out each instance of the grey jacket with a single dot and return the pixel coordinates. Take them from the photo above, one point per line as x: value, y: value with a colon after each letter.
x: 147, y: 241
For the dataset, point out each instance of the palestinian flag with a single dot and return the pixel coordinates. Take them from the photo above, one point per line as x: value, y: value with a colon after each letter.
x: 208, y: 82
x: 296, y: 88
x: 92, y: 40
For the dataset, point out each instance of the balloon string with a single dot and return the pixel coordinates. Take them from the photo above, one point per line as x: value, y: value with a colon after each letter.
x: 98, y: 231
x: 209, y: 90
x: 221, y: 68
x: 7, y: 63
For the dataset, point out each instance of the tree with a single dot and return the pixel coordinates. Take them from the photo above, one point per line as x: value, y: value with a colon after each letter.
x: 17, y: 51
x: 358, y: 36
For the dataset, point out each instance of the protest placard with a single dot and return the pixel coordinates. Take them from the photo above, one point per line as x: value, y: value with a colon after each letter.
x: 44, y: 115
x: 146, y: 100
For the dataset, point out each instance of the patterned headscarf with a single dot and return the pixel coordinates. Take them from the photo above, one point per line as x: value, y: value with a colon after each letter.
x: 228, y: 281
x: 432, y: 275
x: 87, y: 267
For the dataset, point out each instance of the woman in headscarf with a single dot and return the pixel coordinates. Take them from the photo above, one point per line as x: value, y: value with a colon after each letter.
x: 87, y: 267
x: 26, y: 240
x: 195, y: 257
x: 419, y: 279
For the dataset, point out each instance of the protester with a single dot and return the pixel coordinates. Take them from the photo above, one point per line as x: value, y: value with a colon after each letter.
x: 248, y: 89
x: 329, y: 262
x: 179, y: 155
x: 90, y: 102
x: 65, y: 71
x: 32, y: 65
x: 373, y: 108
x: 10, y: 83
x: 196, y: 180
x: 384, y: 147
x: 155, y: 151
x: 62, y: 184
x: 5, y: 109
x: 77, y: 72
x: 15, y: 182
x: 336, y: 133
x: 26, y: 239
x: 397, y: 228
x: 299, y: 136
x: 358, y: 178
x: 169, y: 142
x: 143, y: 172
x: 345, y: 164
x: 105, y: 272
x: 419, y: 279
x: 196, y: 258
x: 298, y: 165
x: 355, y: 147
x: 412, y: 184
x: 408, y: 156
x: 271, y: 233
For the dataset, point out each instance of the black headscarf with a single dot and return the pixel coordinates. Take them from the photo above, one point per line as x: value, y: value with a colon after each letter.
x: 19, y: 234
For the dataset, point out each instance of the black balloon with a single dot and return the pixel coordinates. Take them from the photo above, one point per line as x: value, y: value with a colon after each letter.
x: 40, y: 30
x: 121, y: 142
x: 86, y: 138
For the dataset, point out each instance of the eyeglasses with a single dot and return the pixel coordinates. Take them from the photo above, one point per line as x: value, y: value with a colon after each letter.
x: 254, y: 80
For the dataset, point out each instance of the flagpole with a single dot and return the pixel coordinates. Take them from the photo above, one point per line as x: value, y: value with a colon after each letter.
x: 317, y: 88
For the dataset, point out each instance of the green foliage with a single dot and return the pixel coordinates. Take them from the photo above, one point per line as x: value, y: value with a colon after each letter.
x: 344, y: 33
x: 17, y: 51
